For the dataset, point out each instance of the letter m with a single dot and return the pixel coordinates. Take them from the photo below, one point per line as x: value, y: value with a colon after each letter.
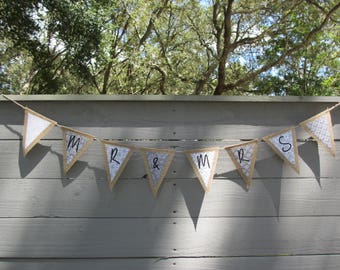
x: 73, y: 142
x: 201, y: 161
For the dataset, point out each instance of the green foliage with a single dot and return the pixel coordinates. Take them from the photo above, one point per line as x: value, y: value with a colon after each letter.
x: 170, y: 47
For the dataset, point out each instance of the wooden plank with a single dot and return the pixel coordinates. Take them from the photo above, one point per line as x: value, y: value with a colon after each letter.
x: 160, y: 98
x: 98, y: 238
x: 44, y: 161
x: 318, y: 262
x: 177, y: 198
x: 213, y: 121
x: 220, y: 132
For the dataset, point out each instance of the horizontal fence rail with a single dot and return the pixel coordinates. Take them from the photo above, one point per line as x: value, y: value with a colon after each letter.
x: 285, y: 220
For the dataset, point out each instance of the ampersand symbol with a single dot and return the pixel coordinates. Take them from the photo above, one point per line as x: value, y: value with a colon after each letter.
x: 155, y: 163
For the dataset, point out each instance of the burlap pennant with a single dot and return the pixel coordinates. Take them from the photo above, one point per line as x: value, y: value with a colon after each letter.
x: 203, y: 162
x: 284, y: 144
x: 244, y: 157
x: 36, y: 126
x: 321, y: 129
x: 116, y: 157
x: 75, y: 145
x: 157, y: 163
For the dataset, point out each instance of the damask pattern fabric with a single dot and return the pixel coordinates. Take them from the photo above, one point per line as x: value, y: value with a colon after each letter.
x: 157, y: 163
x: 75, y: 144
x: 244, y: 157
x: 320, y: 128
x: 203, y: 161
x: 284, y: 144
x: 116, y: 156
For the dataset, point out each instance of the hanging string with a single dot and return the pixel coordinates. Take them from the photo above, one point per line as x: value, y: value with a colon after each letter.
x: 332, y: 108
x: 80, y: 132
x: 17, y: 103
x: 96, y: 139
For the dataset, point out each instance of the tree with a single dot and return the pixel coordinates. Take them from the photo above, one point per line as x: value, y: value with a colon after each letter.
x: 311, y: 71
x: 170, y: 47
x: 56, y: 36
x: 267, y: 37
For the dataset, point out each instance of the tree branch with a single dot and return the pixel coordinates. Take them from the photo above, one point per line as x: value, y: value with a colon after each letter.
x: 251, y: 76
x: 156, y: 13
x: 320, y: 8
x: 162, y: 80
x: 227, y: 48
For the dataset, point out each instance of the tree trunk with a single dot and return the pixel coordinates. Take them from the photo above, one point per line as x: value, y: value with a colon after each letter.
x: 106, y: 78
x: 227, y: 11
x: 220, y: 79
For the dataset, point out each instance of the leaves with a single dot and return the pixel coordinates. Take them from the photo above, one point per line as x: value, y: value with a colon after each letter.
x: 170, y: 47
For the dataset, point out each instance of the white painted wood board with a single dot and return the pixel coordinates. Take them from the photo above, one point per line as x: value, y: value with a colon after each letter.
x: 52, y: 221
x: 317, y: 262
x: 177, y: 198
x: 150, y: 237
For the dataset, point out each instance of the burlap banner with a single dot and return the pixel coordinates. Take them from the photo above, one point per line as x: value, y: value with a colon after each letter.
x: 203, y: 161
x: 36, y: 126
x: 157, y: 161
x: 284, y: 144
x: 75, y: 144
x: 321, y: 129
x: 244, y: 156
x: 116, y: 157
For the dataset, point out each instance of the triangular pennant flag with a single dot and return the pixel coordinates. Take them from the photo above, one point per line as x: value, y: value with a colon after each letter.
x: 116, y: 157
x: 157, y: 163
x: 75, y: 144
x: 203, y: 162
x: 244, y: 156
x: 321, y: 129
x: 36, y: 126
x: 284, y: 144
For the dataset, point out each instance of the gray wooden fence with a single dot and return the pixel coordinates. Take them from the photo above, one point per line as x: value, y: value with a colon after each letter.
x: 284, y: 222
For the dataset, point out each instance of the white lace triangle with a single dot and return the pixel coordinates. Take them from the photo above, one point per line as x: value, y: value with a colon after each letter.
x: 244, y: 157
x: 320, y: 127
x: 75, y: 144
x: 204, y: 162
x: 284, y: 144
x: 157, y: 163
x: 116, y: 158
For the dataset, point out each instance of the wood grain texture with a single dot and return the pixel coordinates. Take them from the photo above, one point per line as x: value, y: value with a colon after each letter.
x: 150, y: 237
x: 318, y: 262
x: 177, y: 198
